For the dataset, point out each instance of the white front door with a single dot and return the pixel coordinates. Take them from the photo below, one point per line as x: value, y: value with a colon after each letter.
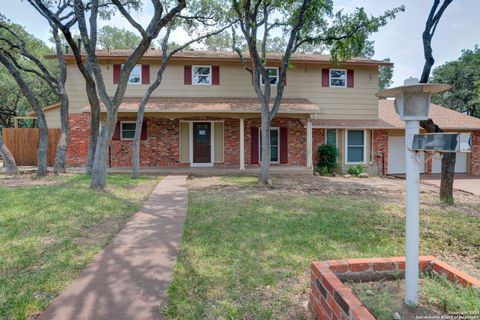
x: 396, y: 156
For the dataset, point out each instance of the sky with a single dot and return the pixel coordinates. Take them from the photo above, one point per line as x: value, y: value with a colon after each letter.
x: 400, y: 40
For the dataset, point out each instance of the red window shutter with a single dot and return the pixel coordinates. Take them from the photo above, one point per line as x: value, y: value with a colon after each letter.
x: 283, y: 145
x: 143, y: 135
x: 145, y: 74
x: 187, y: 75
x: 215, y: 75
x: 325, y: 77
x: 254, y: 146
x: 350, y: 78
x: 116, y: 73
x: 116, y: 133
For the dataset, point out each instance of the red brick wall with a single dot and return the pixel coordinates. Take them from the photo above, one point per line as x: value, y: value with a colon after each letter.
x: 297, y: 139
x: 318, y: 139
x: 475, y: 156
x: 161, y: 149
x: 79, y: 135
x: 380, y: 150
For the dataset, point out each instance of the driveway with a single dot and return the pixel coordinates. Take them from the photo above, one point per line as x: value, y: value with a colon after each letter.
x: 464, y: 182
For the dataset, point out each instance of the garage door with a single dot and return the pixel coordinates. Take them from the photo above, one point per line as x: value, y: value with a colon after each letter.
x: 460, y: 163
x: 396, y: 156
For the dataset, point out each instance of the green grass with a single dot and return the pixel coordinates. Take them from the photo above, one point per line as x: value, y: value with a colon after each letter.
x: 437, y: 296
x: 246, y: 253
x: 49, y: 233
x: 448, y: 296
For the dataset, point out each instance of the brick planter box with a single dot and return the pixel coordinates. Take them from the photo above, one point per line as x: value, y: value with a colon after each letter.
x: 330, y: 299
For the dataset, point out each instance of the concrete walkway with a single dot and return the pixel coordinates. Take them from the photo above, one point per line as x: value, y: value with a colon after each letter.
x: 129, y: 278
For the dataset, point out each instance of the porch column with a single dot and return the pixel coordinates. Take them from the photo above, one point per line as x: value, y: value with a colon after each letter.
x: 242, y: 144
x: 309, y: 144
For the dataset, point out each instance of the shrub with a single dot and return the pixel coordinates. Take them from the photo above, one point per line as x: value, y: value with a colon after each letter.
x: 327, y: 159
x: 356, y: 170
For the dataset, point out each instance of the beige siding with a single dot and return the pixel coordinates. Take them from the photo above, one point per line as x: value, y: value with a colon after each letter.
x: 303, y: 81
x: 184, y: 142
x: 218, y: 127
x: 53, y: 118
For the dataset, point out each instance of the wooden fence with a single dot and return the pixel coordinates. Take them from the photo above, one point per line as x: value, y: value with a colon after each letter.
x: 23, y: 144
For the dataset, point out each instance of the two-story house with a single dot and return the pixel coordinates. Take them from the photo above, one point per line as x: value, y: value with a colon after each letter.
x: 206, y: 114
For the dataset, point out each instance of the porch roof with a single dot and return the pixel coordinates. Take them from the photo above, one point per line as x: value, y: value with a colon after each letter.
x: 212, y: 105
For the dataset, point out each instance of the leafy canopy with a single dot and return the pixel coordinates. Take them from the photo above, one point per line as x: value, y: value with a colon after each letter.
x: 12, y: 101
x: 464, y: 75
x: 117, y: 38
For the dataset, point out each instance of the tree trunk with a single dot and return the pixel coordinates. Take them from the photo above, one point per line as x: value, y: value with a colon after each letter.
x: 62, y: 145
x: 265, y: 163
x: 99, y: 168
x: 448, y: 165
x: 448, y: 174
x: 136, y: 142
x: 8, y: 160
x: 93, y: 138
x: 94, y: 116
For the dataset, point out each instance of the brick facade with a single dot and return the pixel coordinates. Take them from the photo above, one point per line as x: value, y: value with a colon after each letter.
x: 297, y: 139
x: 317, y: 140
x: 161, y: 148
x: 79, y: 136
x: 380, y: 151
x: 475, y: 155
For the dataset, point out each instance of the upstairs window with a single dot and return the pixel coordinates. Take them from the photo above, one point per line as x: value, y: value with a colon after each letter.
x: 202, y: 75
x: 127, y: 130
x: 338, y: 78
x: 272, y: 76
x: 136, y: 75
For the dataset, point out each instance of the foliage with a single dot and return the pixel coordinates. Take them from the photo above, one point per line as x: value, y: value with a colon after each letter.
x: 464, y: 75
x: 356, y: 170
x: 117, y: 38
x: 245, y: 253
x: 327, y: 158
x: 385, y: 75
x: 12, y: 101
x: 46, y: 241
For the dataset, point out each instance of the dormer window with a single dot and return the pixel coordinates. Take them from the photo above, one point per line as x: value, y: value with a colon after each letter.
x: 338, y: 78
x: 272, y: 76
x: 202, y: 75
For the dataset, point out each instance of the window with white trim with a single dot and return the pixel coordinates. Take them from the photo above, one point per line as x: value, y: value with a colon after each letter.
x: 331, y: 137
x: 127, y: 130
x: 272, y: 73
x: 355, y: 146
x: 135, y: 76
x: 274, y: 144
x: 202, y: 75
x: 338, y: 78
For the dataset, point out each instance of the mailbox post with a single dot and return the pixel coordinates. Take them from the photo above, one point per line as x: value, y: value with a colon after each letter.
x: 412, y: 103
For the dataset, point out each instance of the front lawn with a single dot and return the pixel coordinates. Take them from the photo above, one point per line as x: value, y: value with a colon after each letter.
x: 247, y: 249
x: 50, y: 228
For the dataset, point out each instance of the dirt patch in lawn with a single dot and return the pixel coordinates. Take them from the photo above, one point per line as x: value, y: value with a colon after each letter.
x: 385, y: 190
x: 27, y: 179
